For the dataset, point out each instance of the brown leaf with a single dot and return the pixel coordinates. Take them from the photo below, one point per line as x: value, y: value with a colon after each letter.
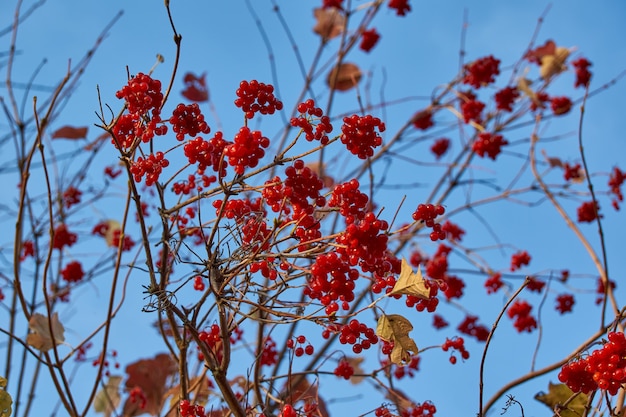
x: 330, y: 22
x: 394, y: 327
x: 70, y: 132
x: 40, y: 338
x: 195, y: 87
x: 344, y: 77
x: 355, y: 363
x: 150, y: 375
x: 552, y: 65
x: 411, y: 283
x: 553, y: 161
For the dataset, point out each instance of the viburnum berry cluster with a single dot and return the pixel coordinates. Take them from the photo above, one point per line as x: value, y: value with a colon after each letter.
x: 369, y: 39
x: 356, y: 334
x: 297, y: 344
x: 73, y: 272
x: 255, y: 97
x: 489, y: 144
x: 604, y: 368
x: 616, y: 179
x: 190, y: 410
x: 427, y: 213
x: 482, y: 72
x: 247, y: 149
x: 588, y: 212
x: 458, y: 344
x: 151, y: 167
x: 440, y: 147
x: 520, y: 312
x: 304, y: 122
x: 471, y: 327
x: 359, y: 134
x: 188, y: 120
x: 344, y: 369
x: 506, y: 97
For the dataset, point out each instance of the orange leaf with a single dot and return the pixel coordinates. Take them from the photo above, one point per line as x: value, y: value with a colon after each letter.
x: 70, y: 132
x: 535, y: 55
x: 195, y: 88
x: 330, y: 23
x: 344, y: 77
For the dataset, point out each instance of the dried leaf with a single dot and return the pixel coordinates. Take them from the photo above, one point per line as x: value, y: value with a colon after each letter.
x: 344, y: 77
x: 330, y: 22
x: 195, y: 88
x: 558, y: 394
x: 553, y: 161
x: 395, y: 328
x: 70, y: 132
x: 6, y: 402
x: 40, y: 338
x: 411, y: 283
x: 108, y: 398
x: 150, y: 375
x: 552, y: 65
x: 112, y: 227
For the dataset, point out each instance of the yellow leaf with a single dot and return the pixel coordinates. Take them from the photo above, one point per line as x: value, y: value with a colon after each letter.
x: 395, y: 328
x: 6, y: 401
x: 112, y: 227
x: 554, y: 64
x: 108, y: 398
x: 411, y: 283
x: 40, y: 338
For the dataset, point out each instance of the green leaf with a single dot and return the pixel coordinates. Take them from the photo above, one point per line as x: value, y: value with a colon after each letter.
x: 558, y: 394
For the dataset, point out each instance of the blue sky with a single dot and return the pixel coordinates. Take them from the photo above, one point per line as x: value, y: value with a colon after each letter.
x: 416, y: 54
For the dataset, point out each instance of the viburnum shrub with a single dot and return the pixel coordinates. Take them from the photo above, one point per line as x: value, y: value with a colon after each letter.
x: 315, y: 244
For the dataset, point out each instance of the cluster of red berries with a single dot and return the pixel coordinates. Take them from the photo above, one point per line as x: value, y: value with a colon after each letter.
x: 28, y: 249
x: 359, y: 134
x: 535, y: 285
x: 604, y: 368
x: 453, y: 231
x: 71, y: 196
x: 297, y: 344
x: 489, y: 144
x: 255, y: 233
x: 439, y: 322
x: 213, y: 340
x: 573, y: 172
x: 600, y: 289
x: 458, y: 344
x: 482, y: 72
x: 583, y: 76
x: 494, y: 283
x: 63, y: 237
x: 472, y: 110
x: 350, y: 201
x: 519, y: 259
x: 506, y: 97
x: 344, y: 369
x: 588, y: 212
x: 369, y: 39
x: 520, y: 312
x: 471, y: 327
x: 337, y: 4
x: 207, y: 153
x: 247, y: 149
x: 198, y: 283
x: 322, y: 128
x: 560, y: 105
x: 364, y: 243
x: 269, y: 355
x: 151, y: 167
x: 383, y: 411
x: 564, y: 303
x: 440, y: 147
x: 73, y: 272
x: 332, y: 280
x: 236, y: 208
x: 427, y: 213
x: 190, y: 410
x: 423, y: 120
x: 616, y: 180
x: 402, y: 7
x: 356, y: 334
x: 265, y: 267
x: 288, y: 411
x: 136, y: 395
x: 186, y: 187
x: 142, y: 95
x: 426, y: 409
x: 255, y: 97
x: 188, y: 120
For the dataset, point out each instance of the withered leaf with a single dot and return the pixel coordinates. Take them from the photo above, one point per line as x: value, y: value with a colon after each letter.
x: 395, y: 328
x: 344, y: 77
x: 535, y: 55
x: 40, y: 338
x: 108, y: 398
x: 355, y: 363
x: 150, y: 375
x: 552, y: 65
x: 410, y: 283
x: 559, y: 394
x: 70, y: 132
x: 330, y: 22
